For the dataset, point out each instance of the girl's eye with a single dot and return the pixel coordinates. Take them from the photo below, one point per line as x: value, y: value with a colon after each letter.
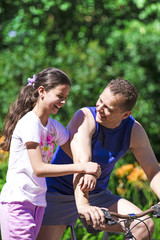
x: 60, y: 97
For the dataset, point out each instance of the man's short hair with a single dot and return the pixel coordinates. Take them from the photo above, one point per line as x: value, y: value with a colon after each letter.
x: 126, y: 89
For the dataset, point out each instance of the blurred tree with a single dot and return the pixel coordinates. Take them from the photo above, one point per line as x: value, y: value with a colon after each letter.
x: 93, y: 41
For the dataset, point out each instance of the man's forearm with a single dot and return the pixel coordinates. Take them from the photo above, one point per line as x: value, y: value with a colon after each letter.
x: 81, y: 198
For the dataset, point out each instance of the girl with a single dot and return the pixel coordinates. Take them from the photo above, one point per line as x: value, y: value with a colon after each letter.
x: 30, y: 135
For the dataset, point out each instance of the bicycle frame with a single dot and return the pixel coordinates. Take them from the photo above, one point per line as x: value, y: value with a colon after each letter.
x: 73, y: 235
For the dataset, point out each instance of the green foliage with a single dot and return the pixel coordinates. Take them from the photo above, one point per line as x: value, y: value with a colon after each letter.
x: 94, y: 42
x: 81, y: 233
x: 157, y: 229
x: 3, y: 171
x: 130, y: 182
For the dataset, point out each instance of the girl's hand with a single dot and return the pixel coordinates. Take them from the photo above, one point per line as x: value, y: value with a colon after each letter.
x: 87, y: 183
x: 92, y: 168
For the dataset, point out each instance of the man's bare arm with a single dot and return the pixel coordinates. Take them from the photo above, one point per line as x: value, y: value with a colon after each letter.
x: 142, y: 150
x: 82, y: 127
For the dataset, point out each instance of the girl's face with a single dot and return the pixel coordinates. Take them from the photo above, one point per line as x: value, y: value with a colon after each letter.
x: 55, y: 98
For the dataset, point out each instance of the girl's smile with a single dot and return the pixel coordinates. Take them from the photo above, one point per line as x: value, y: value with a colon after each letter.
x: 50, y: 101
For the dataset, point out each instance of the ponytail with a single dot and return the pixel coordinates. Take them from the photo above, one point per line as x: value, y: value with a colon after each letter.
x: 48, y: 78
x: 18, y: 109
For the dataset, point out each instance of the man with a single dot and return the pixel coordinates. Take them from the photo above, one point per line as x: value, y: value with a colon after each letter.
x: 102, y: 134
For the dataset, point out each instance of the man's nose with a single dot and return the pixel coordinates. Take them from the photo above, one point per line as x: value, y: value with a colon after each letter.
x: 100, y: 106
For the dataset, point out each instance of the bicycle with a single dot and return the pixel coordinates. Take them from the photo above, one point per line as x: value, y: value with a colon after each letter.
x: 126, y: 219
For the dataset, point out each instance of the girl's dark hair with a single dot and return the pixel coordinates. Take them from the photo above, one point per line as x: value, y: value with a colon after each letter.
x: 48, y: 78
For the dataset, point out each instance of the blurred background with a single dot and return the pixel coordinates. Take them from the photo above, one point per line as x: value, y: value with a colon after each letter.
x: 93, y: 42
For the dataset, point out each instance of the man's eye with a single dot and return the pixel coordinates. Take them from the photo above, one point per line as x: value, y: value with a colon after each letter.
x: 108, y: 109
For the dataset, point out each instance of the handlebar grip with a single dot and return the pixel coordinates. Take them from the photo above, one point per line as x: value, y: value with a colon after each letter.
x: 89, y: 228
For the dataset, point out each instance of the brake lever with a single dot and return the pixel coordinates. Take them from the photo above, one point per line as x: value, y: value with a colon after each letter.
x: 156, y: 212
x: 109, y: 220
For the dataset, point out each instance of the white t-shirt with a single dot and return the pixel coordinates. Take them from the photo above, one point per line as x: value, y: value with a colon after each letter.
x: 21, y: 182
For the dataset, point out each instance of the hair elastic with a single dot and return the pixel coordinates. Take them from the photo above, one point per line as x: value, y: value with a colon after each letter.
x: 31, y: 81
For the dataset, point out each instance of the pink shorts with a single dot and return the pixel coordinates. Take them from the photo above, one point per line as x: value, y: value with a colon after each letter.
x: 20, y: 220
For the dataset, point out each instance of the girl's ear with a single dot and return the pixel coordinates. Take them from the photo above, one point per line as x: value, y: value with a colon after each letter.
x: 127, y: 114
x: 41, y: 91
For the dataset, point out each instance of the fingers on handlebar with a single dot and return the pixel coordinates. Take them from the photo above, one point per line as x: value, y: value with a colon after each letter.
x: 97, y: 217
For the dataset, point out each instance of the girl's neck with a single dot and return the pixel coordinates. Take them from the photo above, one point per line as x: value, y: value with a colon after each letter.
x: 40, y: 114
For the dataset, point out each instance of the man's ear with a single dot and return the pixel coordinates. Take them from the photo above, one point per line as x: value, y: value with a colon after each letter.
x: 126, y: 114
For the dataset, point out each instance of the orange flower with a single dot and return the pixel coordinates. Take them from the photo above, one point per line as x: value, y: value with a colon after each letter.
x: 137, y: 174
x: 1, y: 139
x: 124, y: 170
x: 1, y: 151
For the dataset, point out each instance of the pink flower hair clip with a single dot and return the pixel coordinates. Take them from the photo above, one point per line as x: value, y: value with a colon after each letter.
x: 31, y: 81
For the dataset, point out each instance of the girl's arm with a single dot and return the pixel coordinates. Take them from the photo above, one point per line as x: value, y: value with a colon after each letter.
x: 41, y: 169
x: 88, y: 181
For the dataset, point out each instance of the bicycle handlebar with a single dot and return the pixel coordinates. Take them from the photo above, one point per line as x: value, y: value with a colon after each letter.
x: 155, y: 210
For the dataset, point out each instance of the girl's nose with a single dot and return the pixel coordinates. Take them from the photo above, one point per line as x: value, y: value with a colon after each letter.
x: 63, y: 101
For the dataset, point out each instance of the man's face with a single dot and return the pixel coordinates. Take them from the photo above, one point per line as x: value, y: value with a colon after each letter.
x: 109, y: 110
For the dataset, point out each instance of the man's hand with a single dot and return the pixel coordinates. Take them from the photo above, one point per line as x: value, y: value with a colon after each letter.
x: 94, y: 215
x: 87, y: 183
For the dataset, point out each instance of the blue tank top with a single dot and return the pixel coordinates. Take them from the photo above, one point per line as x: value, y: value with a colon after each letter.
x: 108, y: 146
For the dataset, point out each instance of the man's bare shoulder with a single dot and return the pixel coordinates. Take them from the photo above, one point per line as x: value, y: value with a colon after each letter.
x: 83, y: 117
x: 83, y: 111
x: 138, y: 136
x: 137, y: 128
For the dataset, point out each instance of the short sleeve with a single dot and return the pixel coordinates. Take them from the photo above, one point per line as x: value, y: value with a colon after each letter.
x: 29, y: 130
x: 62, y: 134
